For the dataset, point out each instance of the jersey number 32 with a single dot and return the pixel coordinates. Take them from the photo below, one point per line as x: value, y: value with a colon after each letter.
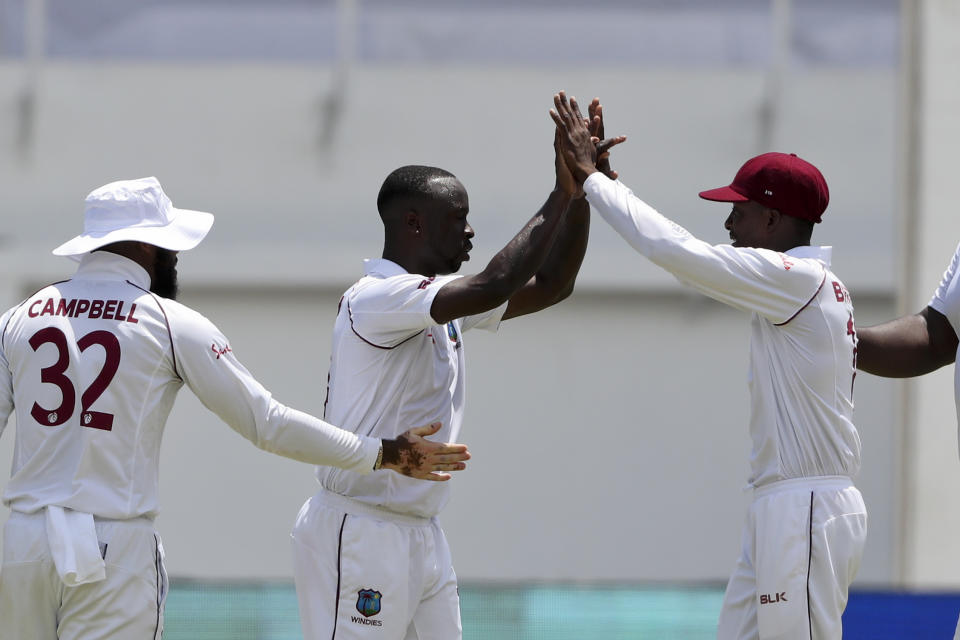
x: 55, y: 374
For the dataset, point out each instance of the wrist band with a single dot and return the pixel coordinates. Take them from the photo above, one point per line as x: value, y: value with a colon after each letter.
x: 379, y: 462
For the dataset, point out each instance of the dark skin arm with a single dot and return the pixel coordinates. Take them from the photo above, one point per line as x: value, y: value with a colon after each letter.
x: 555, y: 279
x: 909, y: 346
x: 513, y: 265
x: 524, y: 256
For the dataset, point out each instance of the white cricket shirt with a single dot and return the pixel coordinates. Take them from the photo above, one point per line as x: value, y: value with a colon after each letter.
x: 946, y: 300
x: 392, y: 367
x: 92, y: 365
x: 802, y: 343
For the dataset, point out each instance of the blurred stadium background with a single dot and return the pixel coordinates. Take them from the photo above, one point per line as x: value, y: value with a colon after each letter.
x: 606, y: 497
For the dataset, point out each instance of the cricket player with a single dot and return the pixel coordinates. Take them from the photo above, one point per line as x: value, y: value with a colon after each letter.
x: 920, y: 343
x: 370, y: 558
x: 92, y: 365
x: 806, y: 527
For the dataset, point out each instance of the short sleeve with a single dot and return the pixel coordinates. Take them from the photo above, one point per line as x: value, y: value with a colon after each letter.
x: 387, y: 311
x: 946, y: 299
x: 489, y: 321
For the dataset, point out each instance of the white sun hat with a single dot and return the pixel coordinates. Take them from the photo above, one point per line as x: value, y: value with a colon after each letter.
x: 136, y: 210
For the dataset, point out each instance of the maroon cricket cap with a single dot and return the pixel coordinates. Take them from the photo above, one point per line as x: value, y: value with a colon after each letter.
x: 780, y: 181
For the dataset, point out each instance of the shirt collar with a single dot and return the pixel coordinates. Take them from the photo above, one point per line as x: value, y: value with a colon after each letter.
x: 821, y: 254
x: 382, y: 267
x: 103, y: 265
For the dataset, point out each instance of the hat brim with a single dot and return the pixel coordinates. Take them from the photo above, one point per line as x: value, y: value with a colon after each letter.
x: 184, y: 231
x: 723, y: 194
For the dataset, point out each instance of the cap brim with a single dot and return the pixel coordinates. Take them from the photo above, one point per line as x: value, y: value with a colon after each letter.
x: 185, y: 231
x: 723, y: 194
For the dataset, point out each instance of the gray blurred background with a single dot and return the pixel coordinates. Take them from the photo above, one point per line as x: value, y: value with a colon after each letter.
x: 608, y: 433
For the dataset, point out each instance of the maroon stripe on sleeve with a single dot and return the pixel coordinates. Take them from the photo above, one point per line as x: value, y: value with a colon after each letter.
x: 166, y: 320
x: 356, y: 333
x: 815, y: 294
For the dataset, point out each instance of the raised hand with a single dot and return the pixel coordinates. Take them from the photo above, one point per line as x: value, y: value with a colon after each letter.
x: 411, y: 454
x: 595, y: 113
x: 579, y: 150
x: 565, y: 180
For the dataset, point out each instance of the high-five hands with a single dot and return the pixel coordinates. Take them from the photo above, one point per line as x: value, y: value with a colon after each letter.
x: 581, y: 140
x: 595, y: 112
x: 411, y: 454
x: 565, y: 180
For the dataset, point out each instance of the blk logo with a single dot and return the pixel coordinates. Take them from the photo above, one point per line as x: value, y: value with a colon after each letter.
x: 767, y: 598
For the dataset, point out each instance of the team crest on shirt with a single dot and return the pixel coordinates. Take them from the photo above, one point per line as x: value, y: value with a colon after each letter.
x: 368, y: 602
x: 452, y: 333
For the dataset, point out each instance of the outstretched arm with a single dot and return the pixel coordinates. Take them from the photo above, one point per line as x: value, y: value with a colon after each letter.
x: 909, y: 346
x: 555, y: 279
x: 227, y: 388
x: 749, y: 279
x: 513, y: 265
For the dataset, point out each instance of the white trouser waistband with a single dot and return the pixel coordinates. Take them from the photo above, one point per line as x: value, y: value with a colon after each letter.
x: 140, y: 521
x: 350, y: 505
x: 812, y: 483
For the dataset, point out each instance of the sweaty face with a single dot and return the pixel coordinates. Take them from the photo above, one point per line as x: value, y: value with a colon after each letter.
x: 164, y: 281
x: 446, y: 228
x: 747, y: 224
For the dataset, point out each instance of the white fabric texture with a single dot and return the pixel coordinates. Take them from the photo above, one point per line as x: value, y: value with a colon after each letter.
x: 393, y: 367
x: 802, y: 545
x: 405, y: 566
x: 802, y: 345
x: 136, y: 210
x: 128, y: 604
x: 72, y: 537
x: 123, y: 354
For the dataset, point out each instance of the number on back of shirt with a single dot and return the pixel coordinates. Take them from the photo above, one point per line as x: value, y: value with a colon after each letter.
x: 842, y: 295
x: 55, y: 374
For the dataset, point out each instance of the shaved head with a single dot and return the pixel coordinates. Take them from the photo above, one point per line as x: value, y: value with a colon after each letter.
x: 414, y: 183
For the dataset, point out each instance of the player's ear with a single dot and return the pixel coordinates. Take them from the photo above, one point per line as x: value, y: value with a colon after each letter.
x: 773, y: 218
x: 411, y: 221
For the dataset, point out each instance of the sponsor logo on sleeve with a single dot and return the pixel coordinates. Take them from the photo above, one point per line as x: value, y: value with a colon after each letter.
x: 220, y: 351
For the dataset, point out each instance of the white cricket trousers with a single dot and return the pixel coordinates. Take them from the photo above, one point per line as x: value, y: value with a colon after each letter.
x: 365, y: 572
x: 126, y: 605
x: 802, y: 545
